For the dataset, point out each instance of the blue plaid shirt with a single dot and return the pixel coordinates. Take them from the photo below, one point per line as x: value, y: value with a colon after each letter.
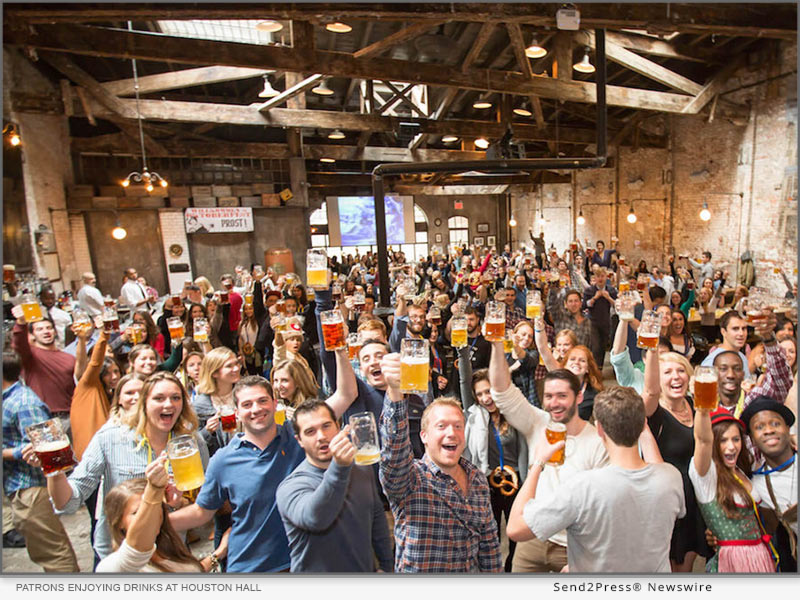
x: 437, y: 528
x: 21, y: 408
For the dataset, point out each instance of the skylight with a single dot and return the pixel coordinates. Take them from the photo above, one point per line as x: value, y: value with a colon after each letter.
x: 243, y: 31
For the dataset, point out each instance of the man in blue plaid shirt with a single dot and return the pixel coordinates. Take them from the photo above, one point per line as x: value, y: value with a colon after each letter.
x: 46, y: 540
x: 443, y: 515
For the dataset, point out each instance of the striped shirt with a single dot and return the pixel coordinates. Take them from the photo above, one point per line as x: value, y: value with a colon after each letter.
x: 21, y: 408
x: 437, y: 528
x: 114, y: 455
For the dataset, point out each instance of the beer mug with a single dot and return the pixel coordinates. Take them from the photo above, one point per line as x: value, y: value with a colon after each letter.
x: 200, y: 331
x: 31, y: 309
x: 310, y: 294
x: 458, y: 331
x: 332, y: 330
x: 176, y: 298
x: 280, y: 306
x: 110, y: 320
x: 624, y: 285
x: 9, y: 273
x: 755, y: 303
x: 317, y: 269
x: 626, y: 304
x: 227, y: 418
x: 82, y: 320
x: 224, y: 296
x: 280, y: 414
x: 556, y: 432
x: 175, y: 326
x: 508, y: 343
x: 248, y: 298
x: 364, y: 435
x: 435, y: 315
x: 353, y: 345
x: 135, y: 333
x: 51, y: 446
x: 108, y: 301
x: 705, y: 388
x: 533, y: 304
x: 642, y: 281
x: 621, y: 261
x: 495, y: 321
x: 649, y: 330
x: 414, y: 366
x: 359, y: 300
x: 184, y: 458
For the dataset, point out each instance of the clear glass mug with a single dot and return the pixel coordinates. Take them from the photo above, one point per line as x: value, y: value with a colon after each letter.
x: 414, y: 366
x: 649, y: 330
x: 364, y: 435
x: 556, y: 432
x: 82, y: 320
x: 705, y: 388
x: 458, y: 331
x: 51, y: 446
x: 317, y: 269
x: 184, y: 459
x: 435, y: 315
x: 333, y: 333
x: 110, y: 320
x: 495, y: 323
x: 175, y: 326
x: 755, y: 302
x: 626, y: 303
x: 533, y: 304
x: 31, y: 309
x: 354, y: 344
x: 200, y: 330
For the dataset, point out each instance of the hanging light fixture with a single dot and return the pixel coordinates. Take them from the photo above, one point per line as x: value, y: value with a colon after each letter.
x: 535, y: 50
x: 322, y: 89
x: 512, y: 221
x: 631, y: 216
x: 146, y: 177
x: 119, y: 232
x: 269, y: 25
x: 325, y: 159
x: 705, y: 214
x: 268, y: 91
x: 584, y: 66
x: 338, y: 27
x: 13, y: 135
x: 482, y: 143
x: 522, y: 110
x: 541, y: 218
x: 449, y: 139
x: 481, y: 103
x: 581, y: 219
x: 336, y: 134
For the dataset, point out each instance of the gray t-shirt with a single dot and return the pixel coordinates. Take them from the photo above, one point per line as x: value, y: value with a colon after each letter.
x: 617, y: 520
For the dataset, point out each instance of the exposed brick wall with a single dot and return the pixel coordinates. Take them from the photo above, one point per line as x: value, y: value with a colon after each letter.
x: 173, y: 231
x: 80, y: 245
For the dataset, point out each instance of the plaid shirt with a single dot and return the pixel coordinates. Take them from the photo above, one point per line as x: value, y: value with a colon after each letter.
x: 21, y: 408
x: 437, y: 528
x: 778, y: 377
x: 563, y: 319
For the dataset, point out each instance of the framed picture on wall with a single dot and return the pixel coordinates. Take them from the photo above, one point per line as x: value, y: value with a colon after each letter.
x: 483, y: 228
x: 438, y: 238
x: 491, y: 240
x: 478, y: 241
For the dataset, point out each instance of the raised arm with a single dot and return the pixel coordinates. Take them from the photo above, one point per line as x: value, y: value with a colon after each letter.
x: 703, y: 441
x: 92, y: 371
x: 652, y: 382
x: 346, y: 384
x: 499, y: 373
x: 146, y: 524
x: 540, y: 337
x: 778, y: 375
x: 396, y: 473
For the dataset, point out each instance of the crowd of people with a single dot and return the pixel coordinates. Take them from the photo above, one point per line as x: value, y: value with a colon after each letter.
x: 546, y: 418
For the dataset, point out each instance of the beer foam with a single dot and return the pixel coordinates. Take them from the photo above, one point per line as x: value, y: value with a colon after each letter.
x: 415, y: 360
x: 706, y: 378
x: 52, y: 446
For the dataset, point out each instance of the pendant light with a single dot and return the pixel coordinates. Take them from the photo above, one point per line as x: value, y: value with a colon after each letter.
x: 269, y: 25
x: 581, y: 219
x: 535, y: 50
x: 322, y: 89
x: 482, y: 143
x: 338, y: 27
x: 449, y: 138
x: 584, y: 66
x: 268, y: 91
x: 512, y: 221
x: 631, y: 216
x: 336, y: 134
x: 522, y: 110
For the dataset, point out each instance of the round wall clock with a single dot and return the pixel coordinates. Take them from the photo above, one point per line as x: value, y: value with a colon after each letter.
x: 176, y: 250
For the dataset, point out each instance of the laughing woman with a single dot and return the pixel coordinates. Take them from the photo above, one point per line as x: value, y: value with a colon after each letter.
x: 121, y: 452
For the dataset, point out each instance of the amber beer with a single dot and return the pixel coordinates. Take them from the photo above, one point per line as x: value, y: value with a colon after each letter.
x: 336, y: 292
x: 9, y: 273
x: 705, y: 388
x: 353, y: 346
x: 280, y: 414
x: 224, y: 296
x: 556, y: 432
x: 176, y: 299
x: 333, y: 330
x: 175, y: 326
x: 414, y: 366
x: 280, y: 306
x: 624, y: 285
x: 508, y: 344
x: 227, y: 418
x: 184, y: 458
x: 248, y: 298
x: 317, y: 269
x: 647, y: 341
x: 51, y: 446
x: 495, y: 321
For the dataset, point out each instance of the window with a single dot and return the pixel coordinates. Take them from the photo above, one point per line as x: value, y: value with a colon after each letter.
x: 459, y: 230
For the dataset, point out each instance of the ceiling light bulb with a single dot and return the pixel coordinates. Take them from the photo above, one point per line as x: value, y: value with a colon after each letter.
x: 512, y: 221
x: 541, y: 219
x: 339, y: 27
x: 522, y: 111
x: 631, y: 216
x: 119, y: 232
x: 322, y: 89
x: 14, y: 139
x: 126, y: 182
x: 149, y: 187
x: 336, y: 135
x: 481, y: 104
x: 268, y: 91
x: 327, y: 160
x: 535, y: 50
x: 584, y: 66
x: 482, y: 143
x: 269, y: 25
x: 705, y: 214
x: 163, y: 183
x: 449, y: 139
x: 581, y: 219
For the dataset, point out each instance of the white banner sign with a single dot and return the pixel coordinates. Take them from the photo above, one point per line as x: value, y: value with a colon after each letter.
x: 218, y: 220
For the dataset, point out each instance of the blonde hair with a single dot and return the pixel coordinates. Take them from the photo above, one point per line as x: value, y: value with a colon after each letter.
x: 304, y: 380
x: 444, y: 401
x: 676, y: 358
x: 137, y: 420
x: 212, y: 362
x: 204, y: 284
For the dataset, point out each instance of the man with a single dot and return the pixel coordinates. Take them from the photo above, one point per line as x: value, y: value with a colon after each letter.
x: 61, y: 319
x: 731, y: 369
x: 247, y: 473
x: 330, y: 508
x: 654, y: 297
x: 662, y: 280
x: 132, y: 292
x: 409, y: 326
x: 47, y: 370
x: 602, y: 257
x: 568, y: 314
x: 705, y: 267
x: 45, y: 538
x: 733, y: 328
x: 768, y: 423
x: 520, y: 291
x: 89, y: 297
x: 598, y: 299
x: 560, y: 401
x: 443, y: 515
x: 514, y: 314
x: 608, y: 513
x: 235, y: 300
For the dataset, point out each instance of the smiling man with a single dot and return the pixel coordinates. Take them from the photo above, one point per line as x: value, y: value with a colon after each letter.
x: 584, y: 450
x: 247, y: 473
x: 330, y: 508
x: 443, y: 515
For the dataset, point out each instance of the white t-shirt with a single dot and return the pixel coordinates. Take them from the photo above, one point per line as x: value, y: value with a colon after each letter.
x: 610, y: 520
x: 784, y: 484
x: 126, y: 559
x: 583, y: 452
x: 705, y: 487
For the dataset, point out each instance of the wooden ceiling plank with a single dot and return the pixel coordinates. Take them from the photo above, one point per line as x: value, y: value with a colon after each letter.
x: 174, y: 80
x: 652, y: 46
x: 713, y: 87
x: 291, y: 92
x: 477, y: 46
x: 398, y: 37
x: 515, y: 33
x: 403, y: 94
x: 87, y: 108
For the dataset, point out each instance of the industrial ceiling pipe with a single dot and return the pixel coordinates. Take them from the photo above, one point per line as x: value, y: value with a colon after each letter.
x: 493, y: 166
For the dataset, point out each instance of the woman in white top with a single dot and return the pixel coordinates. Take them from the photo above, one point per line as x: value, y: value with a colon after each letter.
x: 142, y: 536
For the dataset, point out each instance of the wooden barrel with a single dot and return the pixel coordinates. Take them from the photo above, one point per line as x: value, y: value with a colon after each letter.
x: 280, y: 259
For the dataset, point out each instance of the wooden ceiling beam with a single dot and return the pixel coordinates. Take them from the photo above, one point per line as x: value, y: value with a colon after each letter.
x: 652, y: 46
x: 290, y: 92
x: 124, y: 44
x: 714, y: 86
x: 769, y: 20
x: 515, y: 33
x: 398, y: 37
x: 174, y: 80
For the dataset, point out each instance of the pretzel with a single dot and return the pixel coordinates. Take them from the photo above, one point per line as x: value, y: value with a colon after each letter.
x: 505, y: 480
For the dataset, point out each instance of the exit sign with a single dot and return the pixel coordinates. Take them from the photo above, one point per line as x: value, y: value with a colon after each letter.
x: 458, y: 205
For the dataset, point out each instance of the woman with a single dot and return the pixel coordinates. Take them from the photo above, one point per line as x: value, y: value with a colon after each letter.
x: 205, y: 286
x: 218, y: 318
x: 669, y: 412
x: 152, y: 336
x: 675, y: 300
x: 641, y: 269
x: 293, y: 382
x: 720, y: 470
x: 678, y: 336
x: 496, y: 448
x: 580, y: 361
x: 125, y: 398
x: 143, y: 360
x: 189, y: 372
x: 788, y: 342
x: 253, y: 316
x: 171, y: 310
x: 665, y: 313
x: 143, y: 538
x: 565, y: 341
x: 220, y: 370
x: 121, y: 452
x: 523, y: 360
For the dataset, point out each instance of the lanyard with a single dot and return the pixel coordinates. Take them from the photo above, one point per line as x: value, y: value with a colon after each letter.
x: 437, y: 362
x: 497, y: 441
x: 765, y: 538
x: 765, y: 471
x: 150, y: 448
